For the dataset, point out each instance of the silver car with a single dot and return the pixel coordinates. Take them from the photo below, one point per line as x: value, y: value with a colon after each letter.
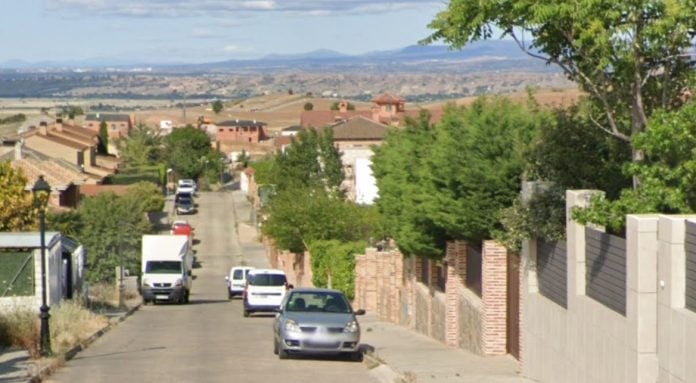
x: 316, y: 321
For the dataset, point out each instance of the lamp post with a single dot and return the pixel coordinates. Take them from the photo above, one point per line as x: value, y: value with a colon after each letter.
x: 42, y: 191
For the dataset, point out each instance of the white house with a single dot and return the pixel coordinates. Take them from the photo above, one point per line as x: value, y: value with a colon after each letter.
x: 20, y: 268
x: 366, y: 191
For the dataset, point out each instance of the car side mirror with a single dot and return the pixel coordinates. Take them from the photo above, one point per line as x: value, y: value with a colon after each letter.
x: 360, y: 312
x: 227, y: 278
x: 289, y: 286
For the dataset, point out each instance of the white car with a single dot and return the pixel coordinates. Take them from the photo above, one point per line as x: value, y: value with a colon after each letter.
x: 186, y: 186
x: 265, y: 289
x: 237, y: 280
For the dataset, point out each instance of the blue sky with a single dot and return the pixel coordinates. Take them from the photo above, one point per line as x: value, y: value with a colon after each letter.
x: 206, y: 30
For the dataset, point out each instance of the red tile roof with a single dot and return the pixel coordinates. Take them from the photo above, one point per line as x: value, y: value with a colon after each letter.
x: 322, y: 118
x: 59, y: 177
x: 359, y: 128
x: 388, y: 98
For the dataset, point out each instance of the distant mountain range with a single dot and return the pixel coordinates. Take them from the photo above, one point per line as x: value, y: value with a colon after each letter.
x: 493, y: 50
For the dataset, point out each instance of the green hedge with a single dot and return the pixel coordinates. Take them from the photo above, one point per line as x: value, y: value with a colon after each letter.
x: 333, y: 264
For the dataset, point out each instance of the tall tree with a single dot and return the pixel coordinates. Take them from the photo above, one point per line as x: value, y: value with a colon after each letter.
x: 185, y: 150
x: 630, y: 56
x: 399, y: 166
x: 103, y: 138
x: 142, y: 146
x: 17, y: 211
x: 217, y: 106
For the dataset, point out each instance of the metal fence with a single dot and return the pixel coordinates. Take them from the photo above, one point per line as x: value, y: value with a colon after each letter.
x: 605, y: 273
x: 16, y: 273
x: 552, y: 271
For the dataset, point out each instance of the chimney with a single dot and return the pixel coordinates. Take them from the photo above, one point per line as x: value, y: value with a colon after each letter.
x: 59, y: 124
x: 43, y: 128
x: 343, y: 106
x: 18, y: 149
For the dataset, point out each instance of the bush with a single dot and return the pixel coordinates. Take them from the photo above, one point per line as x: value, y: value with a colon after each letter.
x: 333, y: 264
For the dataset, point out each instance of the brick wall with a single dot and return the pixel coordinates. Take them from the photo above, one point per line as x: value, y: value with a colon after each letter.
x: 403, y: 291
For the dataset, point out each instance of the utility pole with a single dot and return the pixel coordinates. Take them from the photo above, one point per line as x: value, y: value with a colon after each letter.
x: 183, y: 107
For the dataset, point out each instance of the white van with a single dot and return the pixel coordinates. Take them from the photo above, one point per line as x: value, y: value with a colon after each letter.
x: 166, y: 268
x: 237, y: 280
x: 265, y: 289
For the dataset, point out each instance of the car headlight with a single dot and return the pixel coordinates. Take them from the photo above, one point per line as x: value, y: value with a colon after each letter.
x: 179, y: 282
x: 292, y: 326
x: 351, y: 327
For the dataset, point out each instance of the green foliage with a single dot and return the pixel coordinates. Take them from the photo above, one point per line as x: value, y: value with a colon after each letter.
x: 112, y: 232
x: 333, y: 264
x: 142, y: 147
x: 299, y: 215
x: 185, y: 151
x: 103, y: 138
x: 265, y: 170
x: 17, y: 212
x: 308, y: 106
x: 13, y: 119
x: 146, y: 195
x: 66, y: 222
x: 570, y: 152
x: 399, y: 166
x: 667, y: 174
x: 629, y: 56
x: 543, y: 216
x: 71, y: 111
x: 217, y: 106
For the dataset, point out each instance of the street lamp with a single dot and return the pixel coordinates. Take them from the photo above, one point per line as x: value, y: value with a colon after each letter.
x: 42, y: 192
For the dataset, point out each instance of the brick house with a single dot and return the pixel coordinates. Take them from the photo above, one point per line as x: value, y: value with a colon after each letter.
x: 240, y: 131
x: 118, y: 125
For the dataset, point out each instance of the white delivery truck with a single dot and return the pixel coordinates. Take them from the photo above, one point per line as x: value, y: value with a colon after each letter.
x: 166, y: 268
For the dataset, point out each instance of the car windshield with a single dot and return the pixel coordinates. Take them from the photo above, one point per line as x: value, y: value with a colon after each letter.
x: 267, y: 280
x: 238, y: 274
x: 163, y: 267
x: 328, y: 302
x: 183, y: 196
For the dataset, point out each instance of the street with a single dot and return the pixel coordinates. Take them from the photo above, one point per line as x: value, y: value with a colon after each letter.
x: 207, y: 340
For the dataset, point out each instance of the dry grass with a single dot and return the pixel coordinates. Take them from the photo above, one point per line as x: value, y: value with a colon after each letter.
x: 72, y: 324
x: 19, y: 327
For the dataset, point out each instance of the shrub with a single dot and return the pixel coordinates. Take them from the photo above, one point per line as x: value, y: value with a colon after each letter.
x: 71, y: 324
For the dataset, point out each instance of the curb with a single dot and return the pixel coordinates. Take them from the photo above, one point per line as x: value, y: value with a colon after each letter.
x: 381, y: 371
x: 60, y: 359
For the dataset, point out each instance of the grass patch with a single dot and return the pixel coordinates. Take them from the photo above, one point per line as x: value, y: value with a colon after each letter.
x: 19, y: 327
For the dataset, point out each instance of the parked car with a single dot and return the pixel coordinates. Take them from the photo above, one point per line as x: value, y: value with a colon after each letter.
x: 183, y: 203
x: 316, y: 321
x: 186, y: 186
x: 182, y: 227
x: 264, y: 290
x: 237, y: 280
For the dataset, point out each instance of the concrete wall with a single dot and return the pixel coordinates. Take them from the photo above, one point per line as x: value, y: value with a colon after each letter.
x: 589, y: 342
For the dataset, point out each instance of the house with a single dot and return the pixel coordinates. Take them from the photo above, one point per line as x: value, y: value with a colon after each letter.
x: 118, y: 125
x: 93, y: 190
x: 355, y: 138
x: 20, y: 279
x: 240, y: 131
x: 70, y: 144
x: 65, y: 182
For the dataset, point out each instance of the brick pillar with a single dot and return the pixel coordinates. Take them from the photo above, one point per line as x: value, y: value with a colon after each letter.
x: 418, y: 268
x: 452, y: 297
x: 494, y: 296
x: 370, y: 281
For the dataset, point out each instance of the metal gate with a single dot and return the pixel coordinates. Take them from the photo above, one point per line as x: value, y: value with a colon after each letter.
x: 16, y: 273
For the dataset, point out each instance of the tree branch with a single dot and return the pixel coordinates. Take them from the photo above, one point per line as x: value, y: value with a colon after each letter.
x: 616, y: 134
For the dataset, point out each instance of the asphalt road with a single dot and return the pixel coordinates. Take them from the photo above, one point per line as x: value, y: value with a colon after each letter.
x: 207, y: 340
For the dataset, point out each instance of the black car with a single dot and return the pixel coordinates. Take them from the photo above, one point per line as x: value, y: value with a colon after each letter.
x: 183, y: 203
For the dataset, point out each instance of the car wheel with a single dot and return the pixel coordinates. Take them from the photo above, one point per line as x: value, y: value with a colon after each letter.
x: 356, y: 356
x: 246, y: 313
x: 186, y: 297
x: 229, y: 295
x: 275, y: 347
x: 282, y: 354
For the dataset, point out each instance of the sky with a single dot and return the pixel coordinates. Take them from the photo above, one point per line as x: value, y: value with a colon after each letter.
x: 190, y: 31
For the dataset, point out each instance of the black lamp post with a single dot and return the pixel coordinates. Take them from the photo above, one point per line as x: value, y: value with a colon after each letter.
x: 42, y: 191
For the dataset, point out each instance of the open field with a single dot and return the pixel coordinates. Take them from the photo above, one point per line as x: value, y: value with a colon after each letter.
x: 278, y: 110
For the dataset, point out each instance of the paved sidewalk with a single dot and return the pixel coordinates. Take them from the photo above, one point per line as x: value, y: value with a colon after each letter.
x: 14, y: 366
x: 414, y: 357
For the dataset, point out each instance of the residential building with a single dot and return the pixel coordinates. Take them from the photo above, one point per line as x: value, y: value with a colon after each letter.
x: 118, y: 125
x: 240, y: 131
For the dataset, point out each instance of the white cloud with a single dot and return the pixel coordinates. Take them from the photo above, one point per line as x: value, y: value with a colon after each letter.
x: 226, y: 8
